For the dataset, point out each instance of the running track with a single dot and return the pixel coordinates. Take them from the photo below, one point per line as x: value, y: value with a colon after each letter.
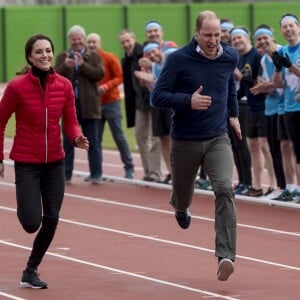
x: 120, y: 240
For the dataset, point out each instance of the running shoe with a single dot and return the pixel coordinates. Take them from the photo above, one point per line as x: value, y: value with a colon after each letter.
x: 32, y: 280
x: 226, y: 268
x: 183, y: 219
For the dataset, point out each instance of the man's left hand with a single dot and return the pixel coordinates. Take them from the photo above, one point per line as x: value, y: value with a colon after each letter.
x: 235, y: 124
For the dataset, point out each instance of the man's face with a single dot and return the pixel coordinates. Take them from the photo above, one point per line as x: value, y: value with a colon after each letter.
x: 77, y: 42
x: 225, y: 36
x: 209, y: 36
x: 127, y: 42
x: 290, y: 31
x: 265, y: 44
x: 155, y: 55
x: 154, y: 34
x: 93, y: 43
x: 240, y: 42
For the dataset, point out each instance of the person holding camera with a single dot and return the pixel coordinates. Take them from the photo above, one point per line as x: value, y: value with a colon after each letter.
x: 84, y: 69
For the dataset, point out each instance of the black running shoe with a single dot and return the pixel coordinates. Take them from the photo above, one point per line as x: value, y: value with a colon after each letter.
x: 183, y: 219
x: 32, y: 280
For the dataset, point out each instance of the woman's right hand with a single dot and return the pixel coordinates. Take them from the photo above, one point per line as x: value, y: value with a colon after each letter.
x: 2, y: 170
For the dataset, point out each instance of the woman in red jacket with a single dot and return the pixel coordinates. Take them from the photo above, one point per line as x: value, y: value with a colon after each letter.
x: 39, y: 97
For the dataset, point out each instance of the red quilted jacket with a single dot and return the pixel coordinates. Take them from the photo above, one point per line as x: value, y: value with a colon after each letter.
x: 38, y: 113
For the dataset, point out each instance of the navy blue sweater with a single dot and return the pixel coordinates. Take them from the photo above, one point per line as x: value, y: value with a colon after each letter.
x: 184, y: 72
x: 250, y: 63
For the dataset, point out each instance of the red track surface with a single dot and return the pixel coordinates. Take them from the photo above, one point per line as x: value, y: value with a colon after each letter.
x: 121, y: 241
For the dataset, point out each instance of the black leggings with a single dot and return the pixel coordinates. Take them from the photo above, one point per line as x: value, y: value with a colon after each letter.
x: 274, y: 144
x: 241, y: 154
x: 40, y: 191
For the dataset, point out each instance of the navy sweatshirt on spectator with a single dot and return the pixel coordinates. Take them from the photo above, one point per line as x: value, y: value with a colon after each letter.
x: 249, y: 63
x: 184, y: 72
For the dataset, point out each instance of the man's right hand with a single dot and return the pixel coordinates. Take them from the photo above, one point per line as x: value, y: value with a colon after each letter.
x: 69, y: 61
x: 200, y: 102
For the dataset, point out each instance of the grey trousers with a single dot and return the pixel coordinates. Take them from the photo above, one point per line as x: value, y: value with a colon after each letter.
x: 215, y: 157
x: 149, y: 145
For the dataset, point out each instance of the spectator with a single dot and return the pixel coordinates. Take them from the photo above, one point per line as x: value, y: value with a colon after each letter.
x: 197, y: 84
x: 138, y: 111
x: 274, y: 103
x: 240, y: 148
x: 256, y: 131
x: 39, y: 97
x: 286, y: 75
x: 155, y: 33
x: 110, y: 101
x: 161, y: 117
x: 226, y: 26
x: 84, y: 69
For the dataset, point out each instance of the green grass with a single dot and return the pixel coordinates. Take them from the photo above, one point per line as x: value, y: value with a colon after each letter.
x: 108, y: 141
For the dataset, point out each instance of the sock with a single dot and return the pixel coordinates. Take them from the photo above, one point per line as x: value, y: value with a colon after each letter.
x: 291, y: 187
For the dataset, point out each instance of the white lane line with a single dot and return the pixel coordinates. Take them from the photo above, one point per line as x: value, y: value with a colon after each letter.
x: 106, y: 164
x: 9, y: 296
x: 255, y: 200
x: 112, y: 202
x: 106, y: 201
x: 151, y: 238
x: 119, y: 271
x: 117, y: 203
x: 174, y: 243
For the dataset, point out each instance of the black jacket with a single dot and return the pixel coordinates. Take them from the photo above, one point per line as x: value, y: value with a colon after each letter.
x: 136, y: 96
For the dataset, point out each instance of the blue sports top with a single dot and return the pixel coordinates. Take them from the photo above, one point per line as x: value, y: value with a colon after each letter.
x: 274, y: 103
x: 291, y: 81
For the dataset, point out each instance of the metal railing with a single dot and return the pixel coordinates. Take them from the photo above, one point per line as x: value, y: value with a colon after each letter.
x: 68, y: 2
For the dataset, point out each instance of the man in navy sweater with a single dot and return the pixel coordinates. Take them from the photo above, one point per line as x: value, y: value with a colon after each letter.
x: 197, y: 83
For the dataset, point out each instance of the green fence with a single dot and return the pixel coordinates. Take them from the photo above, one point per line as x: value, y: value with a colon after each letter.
x: 18, y: 23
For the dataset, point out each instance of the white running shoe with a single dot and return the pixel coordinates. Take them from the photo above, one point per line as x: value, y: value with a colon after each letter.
x: 226, y: 268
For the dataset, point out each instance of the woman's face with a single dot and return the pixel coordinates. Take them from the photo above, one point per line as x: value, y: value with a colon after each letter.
x: 41, y: 55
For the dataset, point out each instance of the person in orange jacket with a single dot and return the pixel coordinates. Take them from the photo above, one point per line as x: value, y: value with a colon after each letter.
x: 108, y: 89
